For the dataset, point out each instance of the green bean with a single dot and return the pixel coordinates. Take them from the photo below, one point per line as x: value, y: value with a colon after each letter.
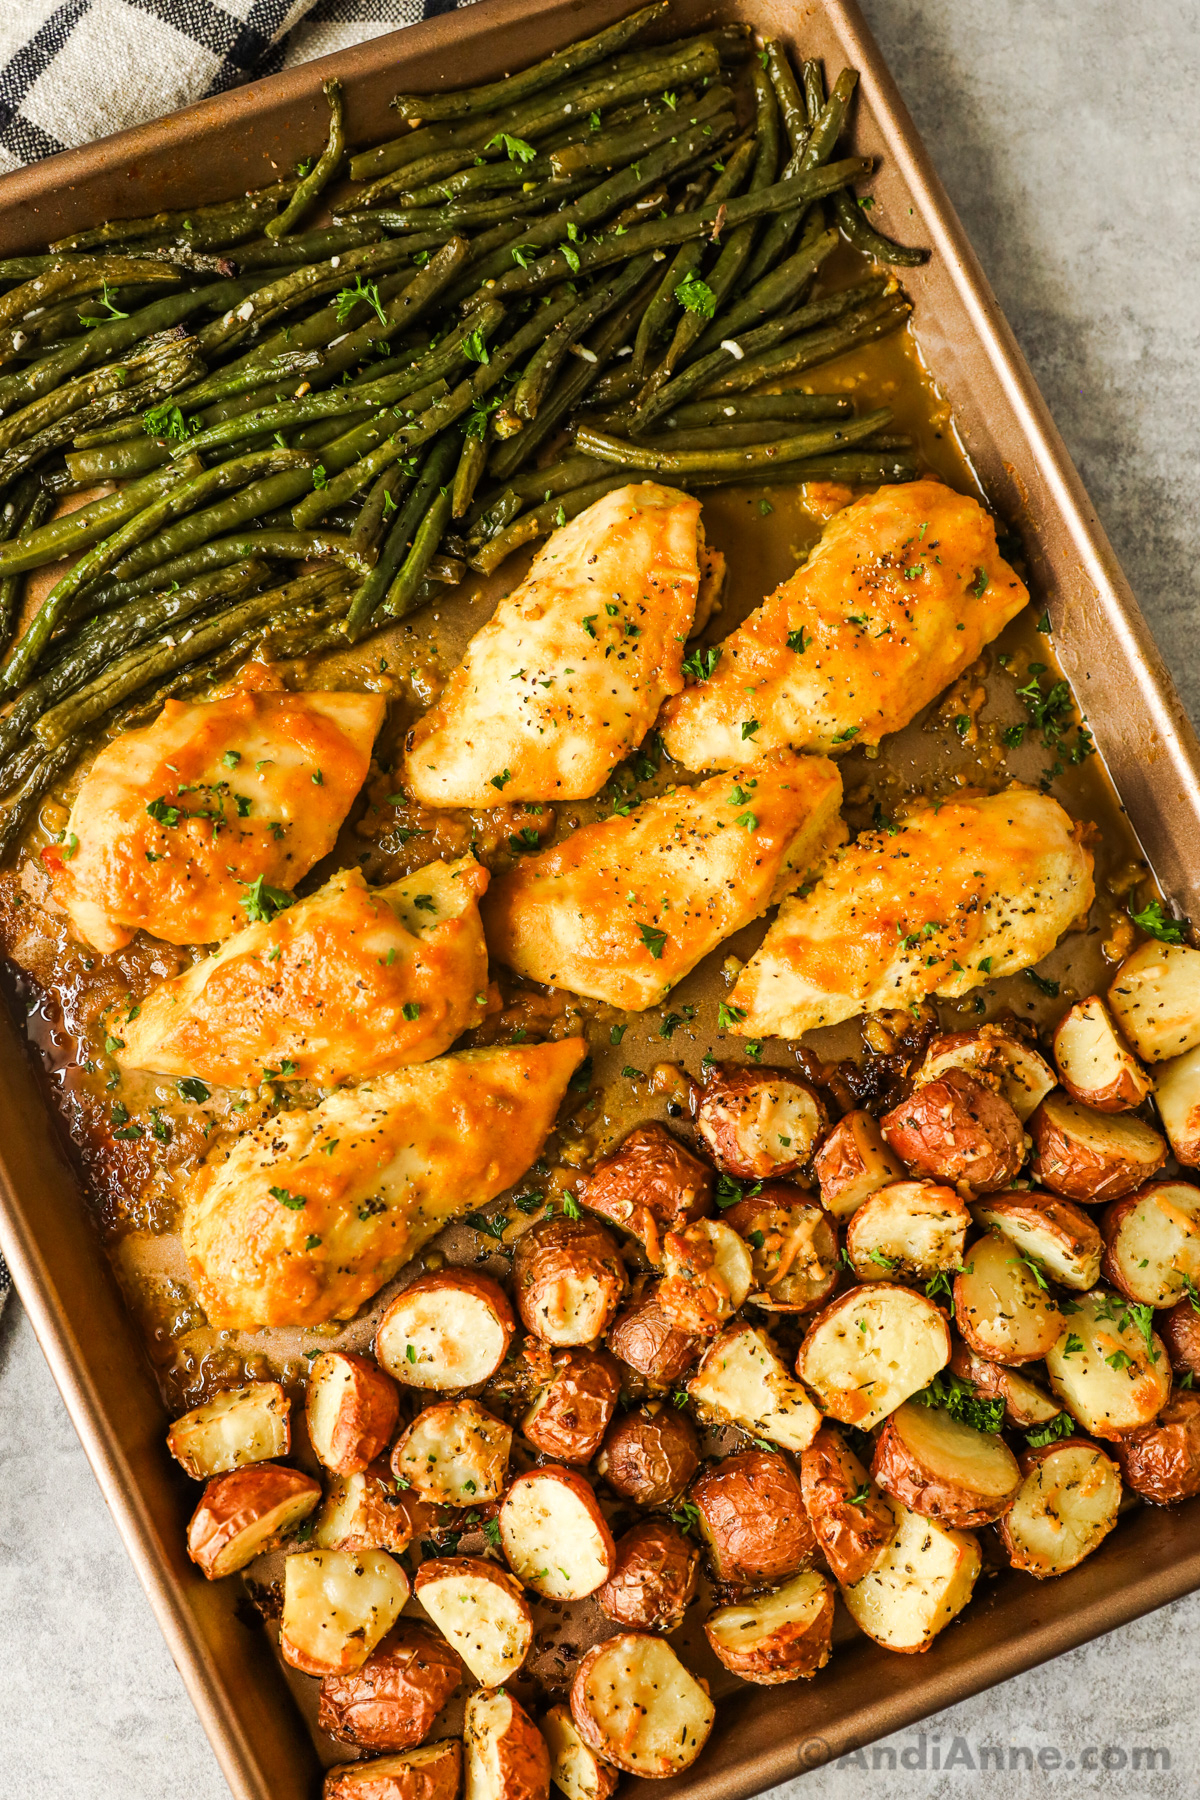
x: 474, y: 178
x: 217, y: 553
x: 853, y: 226
x: 330, y: 431
x: 854, y: 468
x: 285, y: 415
x: 294, y: 289
x: 225, y: 384
x: 74, y: 531
x: 729, y: 435
x: 612, y: 149
x: 252, y: 502
x: 100, y: 436
x: 805, y: 160
x: 457, y: 215
x: 401, y: 597
x: 546, y: 360
x: 564, y: 63
x: 318, y: 178
x: 754, y: 408
x: 403, y: 151
x: 434, y: 470
x: 69, y: 398
x: 23, y: 512
x: 207, y: 227
x: 874, y: 320
x: 87, y: 276
x: 814, y: 90
x: 543, y: 519
x: 43, y: 774
x: 382, y: 500
x: 557, y: 477
x: 810, y: 441
x: 484, y: 172
x: 789, y: 96
x: 307, y: 246
x: 656, y: 320
x: 783, y: 286
x: 493, y: 519
x: 471, y: 464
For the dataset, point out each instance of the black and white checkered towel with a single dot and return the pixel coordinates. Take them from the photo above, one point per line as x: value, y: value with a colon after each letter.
x: 75, y: 70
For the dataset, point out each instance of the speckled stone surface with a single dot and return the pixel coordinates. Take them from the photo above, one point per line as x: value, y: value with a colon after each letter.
x: 1066, y: 133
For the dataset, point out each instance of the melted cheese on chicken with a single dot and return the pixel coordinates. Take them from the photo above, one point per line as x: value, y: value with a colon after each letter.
x: 568, y: 675
x: 962, y: 892
x: 623, y: 909
x: 902, y: 592
x: 350, y: 983
x: 175, y: 823
x: 306, y: 1216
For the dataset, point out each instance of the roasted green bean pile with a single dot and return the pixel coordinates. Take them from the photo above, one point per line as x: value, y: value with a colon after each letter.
x: 541, y: 289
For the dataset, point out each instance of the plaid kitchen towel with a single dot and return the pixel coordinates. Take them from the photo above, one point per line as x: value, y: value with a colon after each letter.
x: 75, y: 70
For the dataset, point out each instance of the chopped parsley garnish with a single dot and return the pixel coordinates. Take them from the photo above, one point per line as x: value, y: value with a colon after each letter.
x: 349, y: 298
x: 701, y: 663
x: 728, y: 1016
x: 653, y: 939
x: 411, y: 1009
x: 960, y: 1400
x: 1158, y: 924
x: 695, y: 296
x: 293, y: 1202
x: 192, y: 1088
x: 261, y: 902
x: 1060, y: 1426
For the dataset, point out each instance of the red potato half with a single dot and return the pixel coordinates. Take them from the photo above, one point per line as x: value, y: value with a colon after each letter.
x: 1110, y: 1376
x: 554, y: 1535
x: 793, y: 1247
x: 1161, y: 1462
x: 707, y: 1274
x: 1025, y: 1404
x: 337, y: 1606
x: 635, y: 1705
x: 369, y: 1510
x: 352, y: 1409
x: 742, y: 1381
x: 871, y: 1348
x: 1155, y: 999
x: 1177, y: 1096
x: 1180, y: 1332
x: 575, y: 1769
x: 853, y: 1163
x: 1065, y: 1508
x: 243, y: 1425
x: 650, y: 1454
x: 758, y: 1124
x: 569, y: 1418
x: 433, y: 1772
x: 650, y: 1184
x: 645, y: 1337
x: 1095, y: 1066
x: 999, y: 1058
x: 448, y: 1330
x: 505, y: 1754
x: 1061, y: 1239
x: 454, y: 1454
x: 852, y: 1522
x: 1002, y: 1305
x: 243, y: 1514
x: 393, y: 1701
x: 907, y: 1232
x: 753, y: 1519
x: 955, y: 1130
x: 481, y: 1610
x: 1152, y: 1243
x: 568, y: 1278
x: 923, y: 1580
x: 939, y: 1467
x: 654, y: 1580
x: 1091, y: 1156
x: 784, y: 1636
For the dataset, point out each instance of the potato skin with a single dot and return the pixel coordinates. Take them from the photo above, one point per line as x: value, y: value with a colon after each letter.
x: 1161, y: 1462
x: 367, y: 1414
x: 234, y: 1503
x: 569, y: 1420
x: 808, y: 1283
x: 434, y: 1774
x: 654, y: 1580
x: 590, y: 1728
x: 732, y: 1095
x: 1068, y: 1167
x: 1179, y: 1330
x: 644, y: 1337
x: 522, y: 1759
x: 853, y: 1537
x: 898, y: 1473
x: 651, y: 1183
x: 753, y: 1518
x: 391, y: 1702
x: 956, y: 1129
x: 791, y: 1653
x: 453, y: 1280
x: 993, y: 1381
x: 852, y: 1163
x: 650, y: 1455
x: 553, y: 1252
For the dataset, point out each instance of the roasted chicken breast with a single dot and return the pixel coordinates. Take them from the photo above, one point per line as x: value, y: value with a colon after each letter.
x: 959, y: 892
x: 623, y: 909
x: 176, y: 823
x: 568, y: 675
x: 350, y: 983
x: 902, y: 592
x: 303, y: 1218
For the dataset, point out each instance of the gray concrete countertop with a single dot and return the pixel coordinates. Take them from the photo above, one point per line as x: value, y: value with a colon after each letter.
x: 1065, y: 131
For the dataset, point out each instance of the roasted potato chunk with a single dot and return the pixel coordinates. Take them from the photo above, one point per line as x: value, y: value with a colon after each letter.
x: 554, y: 1535
x: 1180, y: 1330
x: 645, y: 1337
x: 1066, y: 1507
x: 433, y: 1772
x: 352, y: 1408
x: 1025, y: 1404
x: 568, y: 1279
x: 1095, y: 1067
x: 370, y: 1510
x: 1177, y: 1096
x: 1091, y: 1156
x: 853, y: 1523
x: 1002, y: 1305
x: 1111, y: 1376
x: 753, y: 1519
x: 243, y: 1425
x: 742, y: 1381
x: 956, y: 1129
x: 707, y: 1274
x: 450, y: 1329
x: 506, y: 1754
x: 923, y: 1580
x: 337, y: 1606
x: 782, y: 1636
x: 649, y: 1455
x: 793, y: 1248
x: 853, y: 1163
x: 908, y: 1231
x: 1155, y: 998
x: 575, y: 1769
x: 870, y: 1349
x: 635, y: 1705
x: 942, y: 1468
x: 654, y: 1579
x: 1161, y: 1462
x: 1152, y: 1243
x: 392, y: 1701
x: 454, y: 1453
x: 569, y: 1418
x: 759, y: 1124
x: 650, y: 1184
x: 998, y: 1058
x: 1056, y: 1235
x: 243, y: 1514
x: 481, y: 1609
